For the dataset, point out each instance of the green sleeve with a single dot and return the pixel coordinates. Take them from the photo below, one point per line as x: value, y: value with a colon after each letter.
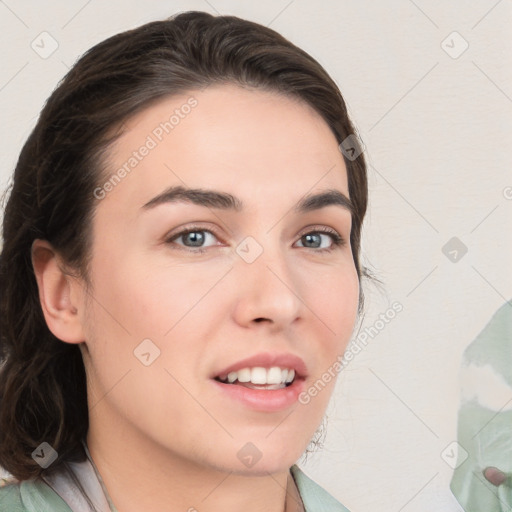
x: 484, y: 431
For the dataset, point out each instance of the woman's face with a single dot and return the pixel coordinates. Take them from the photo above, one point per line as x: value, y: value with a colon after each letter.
x: 259, y: 282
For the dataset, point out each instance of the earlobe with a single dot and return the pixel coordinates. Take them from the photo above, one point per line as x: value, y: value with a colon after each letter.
x: 55, y: 293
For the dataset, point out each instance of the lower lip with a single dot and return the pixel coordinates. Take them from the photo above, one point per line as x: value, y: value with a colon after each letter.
x: 264, y: 400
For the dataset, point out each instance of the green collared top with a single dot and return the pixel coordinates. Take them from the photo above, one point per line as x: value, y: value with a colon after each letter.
x: 87, y: 494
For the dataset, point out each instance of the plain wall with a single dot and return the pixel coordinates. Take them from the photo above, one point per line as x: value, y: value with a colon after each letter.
x: 437, y: 135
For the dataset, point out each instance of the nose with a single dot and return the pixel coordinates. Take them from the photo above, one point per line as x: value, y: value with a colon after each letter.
x: 268, y: 292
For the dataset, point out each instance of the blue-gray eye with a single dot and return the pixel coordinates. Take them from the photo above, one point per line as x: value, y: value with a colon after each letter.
x: 313, y: 240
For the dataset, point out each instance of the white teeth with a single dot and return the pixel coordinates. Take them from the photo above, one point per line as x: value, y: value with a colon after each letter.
x: 244, y: 375
x: 261, y: 376
x: 274, y: 375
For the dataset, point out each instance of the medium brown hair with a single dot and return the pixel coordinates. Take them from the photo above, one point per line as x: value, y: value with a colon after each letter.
x: 42, y: 379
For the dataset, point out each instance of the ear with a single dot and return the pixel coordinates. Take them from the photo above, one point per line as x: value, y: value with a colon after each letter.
x: 56, y: 293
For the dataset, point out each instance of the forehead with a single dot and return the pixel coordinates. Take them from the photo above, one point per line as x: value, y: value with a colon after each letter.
x: 254, y: 142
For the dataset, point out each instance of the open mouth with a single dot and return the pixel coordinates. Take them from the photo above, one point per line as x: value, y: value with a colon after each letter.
x: 260, y: 378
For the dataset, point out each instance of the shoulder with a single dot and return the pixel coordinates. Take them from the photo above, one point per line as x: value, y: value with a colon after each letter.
x: 29, y: 496
x: 10, y: 496
x: 315, y: 498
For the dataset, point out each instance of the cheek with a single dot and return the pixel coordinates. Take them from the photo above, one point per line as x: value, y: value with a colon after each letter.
x: 133, y: 303
x: 333, y: 297
x: 149, y: 299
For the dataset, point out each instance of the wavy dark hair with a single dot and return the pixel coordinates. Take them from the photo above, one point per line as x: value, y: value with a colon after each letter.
x: 42, y: 379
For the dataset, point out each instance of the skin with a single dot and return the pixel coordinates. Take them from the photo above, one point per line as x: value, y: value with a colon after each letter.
x: 164, y: 433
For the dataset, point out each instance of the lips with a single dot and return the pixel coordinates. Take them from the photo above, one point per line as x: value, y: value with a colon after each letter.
x: 239, y: 383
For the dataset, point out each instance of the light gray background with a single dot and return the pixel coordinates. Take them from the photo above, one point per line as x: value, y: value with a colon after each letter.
x: 437, y: 136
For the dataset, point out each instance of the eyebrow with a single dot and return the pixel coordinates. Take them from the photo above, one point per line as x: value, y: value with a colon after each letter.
x: 226, y: 201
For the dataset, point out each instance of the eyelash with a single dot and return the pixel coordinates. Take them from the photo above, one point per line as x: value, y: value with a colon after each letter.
x: 337, y: 239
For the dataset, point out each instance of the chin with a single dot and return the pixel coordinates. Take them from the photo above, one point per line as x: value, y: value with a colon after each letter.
x: 260, y: 459
x: 263, y: 469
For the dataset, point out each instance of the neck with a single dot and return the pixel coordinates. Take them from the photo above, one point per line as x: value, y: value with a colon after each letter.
x: 139, y: 475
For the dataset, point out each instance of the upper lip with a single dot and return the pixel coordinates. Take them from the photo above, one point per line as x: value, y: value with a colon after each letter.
x: 268, y: 360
